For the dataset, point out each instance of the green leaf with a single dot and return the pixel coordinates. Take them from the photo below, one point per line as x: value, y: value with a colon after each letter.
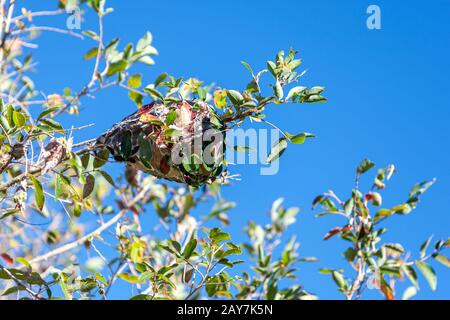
x: 111, y: 48
x: 202, y: 93
x: 295, y: 64
x: 19, y: 119
x: 220, y: 98
x: 424, y: 246
x: 136, y: 97
x: 365, y: 166
x: 403, y: 208
x: 101, y: 158
x: 145, y: 149
x: 171, y: 117
x: 278, y: 90
x: 420, y: 188
x: 277, y: 150
x: 316, y: 90
x: 295, y: 92
x: 233, y: 251
x: 339, y: 280
x: 394, y: 271
x: 52, y: 124
x: 13, y: 290
x: 242, y: 148
x: 216, y: 235
x: 116, y: 67
x: 211, y: 285
x: 172, y: 133
x: 39, y: 193
x: 160, y: 79
x: 235, y: 97
x: 142, y: 297
x: 130, y: 278
x: 144, y: 42
x: 126, y: 145
x: 23, y: 261
x: 307, y: 98
x: 190, y: 248
x: 428, y: 273
x: 92, y: 53
x: 135, y: 81
x: 442, y: 259
x: 154, y: 93
x: 108, y: 178
x: 89, y: 186
x: 58, y: 186
x: 91, y: 34
x: 247, y: 66
x: 176, y: 245
x: 85, y: 160
x: 46, y: 112
x: 349, y: 206
x: 272, y: 290
x: 167, y: 280
x: 147, y: 60
x: 350, y: 254
x: 397, y: 247
x: 301, y: 138
x: 272, y: 68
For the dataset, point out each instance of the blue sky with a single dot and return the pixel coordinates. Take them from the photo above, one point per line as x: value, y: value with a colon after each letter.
x: 386, y: 91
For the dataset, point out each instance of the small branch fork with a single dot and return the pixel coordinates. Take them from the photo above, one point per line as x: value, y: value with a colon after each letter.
x: 5, y: 21
x: 71, y: 245
x: 20, y: 284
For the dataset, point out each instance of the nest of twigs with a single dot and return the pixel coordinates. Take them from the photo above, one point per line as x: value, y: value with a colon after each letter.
x: 181, y: 141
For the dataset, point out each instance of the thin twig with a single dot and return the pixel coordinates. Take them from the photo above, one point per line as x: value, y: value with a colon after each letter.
x: 38, y: 14
x: 86, y: 87
x: 19, y: 283
x: 99, y: 230
x: 46, y: 28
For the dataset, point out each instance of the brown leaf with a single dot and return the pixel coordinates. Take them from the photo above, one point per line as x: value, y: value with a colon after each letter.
x: 336, y: 230
x: 369, y: 196
x: 188, y: 275
x: 8, y: 259
x: 120, y: 204
x: 87, y: 244
x: 386, y: 289
x: 146, y: 108
x: 164, y: 166
x: 332, y: 232
x: 134, y: 210
x: 89, y: 186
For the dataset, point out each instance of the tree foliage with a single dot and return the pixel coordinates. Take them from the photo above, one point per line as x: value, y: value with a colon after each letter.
x: 147, y: 232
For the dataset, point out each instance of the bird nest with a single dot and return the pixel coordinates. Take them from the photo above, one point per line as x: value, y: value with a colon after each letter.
x: 181, y: 141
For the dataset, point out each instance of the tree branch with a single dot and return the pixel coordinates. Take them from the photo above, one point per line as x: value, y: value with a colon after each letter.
x: 46, y: 28
x: 103, y: 227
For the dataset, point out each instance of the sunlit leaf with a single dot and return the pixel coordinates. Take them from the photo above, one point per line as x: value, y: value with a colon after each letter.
x: 39, y: 193
x: 277, y: 150
x: 190, y: 248
x: 429, y: 274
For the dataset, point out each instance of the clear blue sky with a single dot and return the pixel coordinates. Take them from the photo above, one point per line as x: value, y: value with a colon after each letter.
x: 387, y: 93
